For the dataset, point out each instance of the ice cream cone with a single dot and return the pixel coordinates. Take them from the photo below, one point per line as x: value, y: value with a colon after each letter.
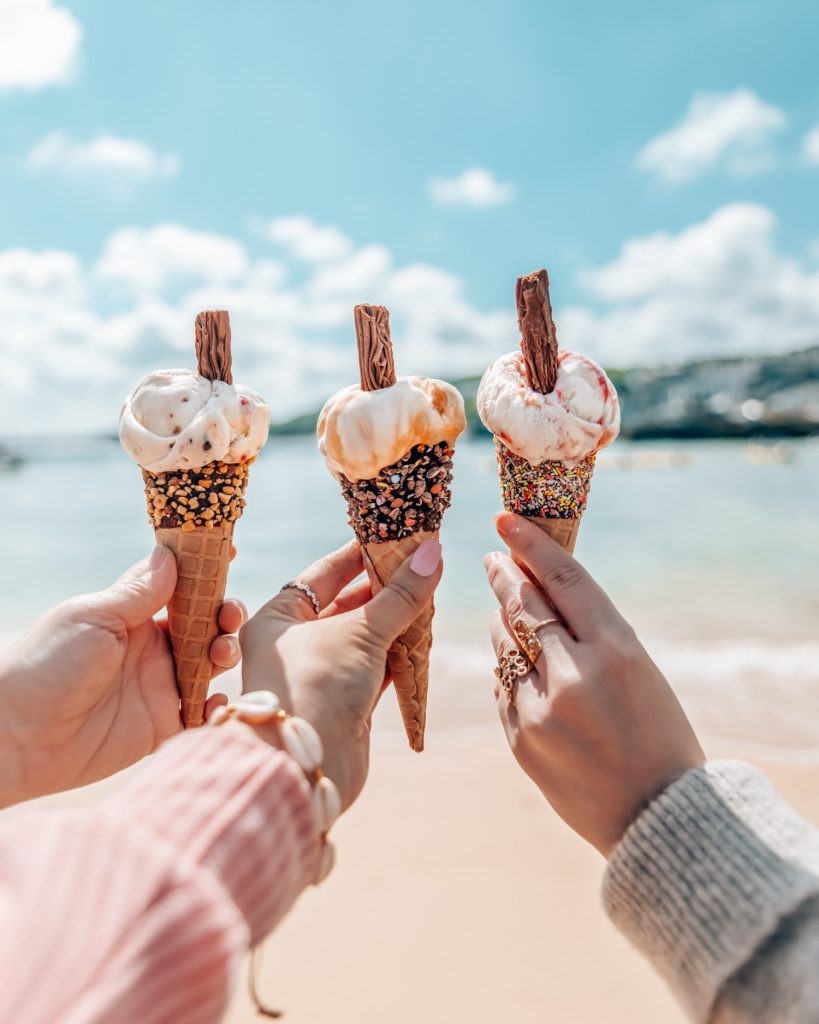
x: 550, y: 411
x: 389, y: 443
x: 202, y: 560
x: 195, y: 434
x: 408, y: 658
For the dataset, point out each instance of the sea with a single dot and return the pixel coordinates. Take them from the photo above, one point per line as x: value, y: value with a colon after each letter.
x: 709, y: 549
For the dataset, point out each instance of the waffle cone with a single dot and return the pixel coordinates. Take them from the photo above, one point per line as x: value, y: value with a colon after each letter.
x: 202, y: 560
x: 408, y: 658
x: 564, y: 531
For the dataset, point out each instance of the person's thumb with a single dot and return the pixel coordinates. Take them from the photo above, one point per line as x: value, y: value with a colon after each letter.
x: 142, y: 590
x: 400, y: 603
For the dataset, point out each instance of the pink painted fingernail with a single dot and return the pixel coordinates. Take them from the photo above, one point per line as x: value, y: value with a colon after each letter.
x: 505, y: 523
x: 427, y: 558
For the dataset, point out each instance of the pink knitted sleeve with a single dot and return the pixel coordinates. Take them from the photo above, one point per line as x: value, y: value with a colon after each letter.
x: 140, y: 908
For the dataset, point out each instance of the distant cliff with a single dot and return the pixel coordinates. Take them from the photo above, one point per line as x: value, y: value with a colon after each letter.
x: 766, y: 395
x: 776, y: 395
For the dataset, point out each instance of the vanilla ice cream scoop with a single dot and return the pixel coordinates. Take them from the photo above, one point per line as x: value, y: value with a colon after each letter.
x: 577, y: 418
x: 362, y: 432
x: 177, y: 420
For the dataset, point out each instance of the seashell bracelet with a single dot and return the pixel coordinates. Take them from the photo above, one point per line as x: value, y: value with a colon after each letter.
x: 301, y: 741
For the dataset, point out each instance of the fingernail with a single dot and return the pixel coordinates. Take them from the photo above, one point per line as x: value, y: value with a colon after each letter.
x: 427, y: 558
x: 158, y: 556
x: 233, y: 644
x: 505, y: 524
x: 242, y: 608
x: 490, y: 558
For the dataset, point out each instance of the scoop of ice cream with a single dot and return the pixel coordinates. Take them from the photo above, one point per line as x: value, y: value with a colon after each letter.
x: 362, y: 432
x: 579, y: 417
x: 175, y: 419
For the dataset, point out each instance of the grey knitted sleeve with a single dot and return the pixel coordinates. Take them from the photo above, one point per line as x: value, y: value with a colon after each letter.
x: 713, y: 883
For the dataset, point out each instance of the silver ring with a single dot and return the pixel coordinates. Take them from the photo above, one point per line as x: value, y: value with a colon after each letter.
x: 308, y: 592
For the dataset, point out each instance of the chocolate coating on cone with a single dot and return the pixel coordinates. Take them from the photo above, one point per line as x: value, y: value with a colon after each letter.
x: 538, y: 334
x: 375, y: 358
x: 551, y: 490
x: 197, y: 497
x: 213, y: 355
x: 410, y: 495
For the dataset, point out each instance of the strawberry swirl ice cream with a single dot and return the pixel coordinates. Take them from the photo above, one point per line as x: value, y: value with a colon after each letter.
x: 178, y: 420
x: 576, y: 419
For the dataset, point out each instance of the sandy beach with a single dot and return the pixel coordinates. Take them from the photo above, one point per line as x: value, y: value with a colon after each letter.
x: 459, y: 895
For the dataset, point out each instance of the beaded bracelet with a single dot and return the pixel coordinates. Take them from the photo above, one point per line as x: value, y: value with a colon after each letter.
x: 301, y: 741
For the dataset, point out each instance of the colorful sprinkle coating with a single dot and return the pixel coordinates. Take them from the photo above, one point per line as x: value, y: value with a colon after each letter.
x: 408, y: 496
x: 552, y: 490
x: 196, y: 497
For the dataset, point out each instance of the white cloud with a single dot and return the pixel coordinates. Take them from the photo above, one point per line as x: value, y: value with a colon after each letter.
x: 39, y: 44
x: 302, y: 238
x: 106, y: 155
x: 80, y: 335
x: 810, y: 146
x: 151, y: 259
x: 730, y: 130
x: 475, y: 187
x: 76, y: 336
x: 717, y: 288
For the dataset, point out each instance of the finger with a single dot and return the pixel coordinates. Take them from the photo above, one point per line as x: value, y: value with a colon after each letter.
x: 579, y: 601
x: 216, y: 700
x: 232, y: 552
x: 232, y: 616
x: 522, y: 601
x: 141, y: 590
x: 348, y: 600
x: 407, y: 593
x: 327, y: 578
x: 225, y: 652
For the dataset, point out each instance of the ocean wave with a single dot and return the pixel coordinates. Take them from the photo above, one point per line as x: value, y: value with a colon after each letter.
x: 748, y: 691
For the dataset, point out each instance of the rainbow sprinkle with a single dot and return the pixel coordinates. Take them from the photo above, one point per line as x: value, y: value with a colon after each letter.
x: 552, y: 490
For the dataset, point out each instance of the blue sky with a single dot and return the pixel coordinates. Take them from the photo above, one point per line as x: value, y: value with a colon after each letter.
x: 221, y: 122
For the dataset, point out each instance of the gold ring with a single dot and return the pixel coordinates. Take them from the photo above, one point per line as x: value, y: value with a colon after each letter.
x: 528, y: 638
x: 545, y: 623
x: 510, y: 667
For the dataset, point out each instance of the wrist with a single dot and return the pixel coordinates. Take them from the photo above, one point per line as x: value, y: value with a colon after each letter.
x: 262, y: 712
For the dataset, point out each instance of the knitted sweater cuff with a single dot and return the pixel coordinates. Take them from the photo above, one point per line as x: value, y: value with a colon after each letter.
x: 706, y: 873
